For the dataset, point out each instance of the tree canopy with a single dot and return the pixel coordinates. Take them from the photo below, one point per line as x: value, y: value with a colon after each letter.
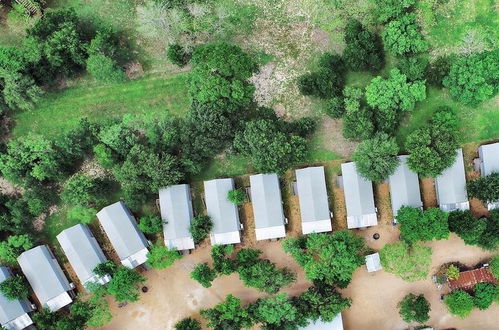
x: 160, y: 257
x: 389, y: 9
x: 459, y: 303
x: 402, y: 36
x: 466, y: 226
x: 417, y: 225
x: 485, y: 188
x: 124, y: 285
x: 200, y: 227
x: 363, y: 50
x: 228, y: 314
x: 414, y: 308
x: 151, y: 224
x: 484, y: 294
x: 409, y: 263
x: 13, y: 246
x: 15, y: 287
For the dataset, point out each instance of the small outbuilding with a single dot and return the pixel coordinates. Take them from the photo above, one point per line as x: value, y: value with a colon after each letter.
x: 450, y: 186
x: 335, y: 324
x: 176, y: 211
x: 267, y: 206
x: 489, y: 163
x: 404, y: 187
x: 121, y: 229
x: 14, y: 314
x: 359, y: 198
x: 373, y: 262
x: 313, y: 198
x: 84, y: 253
x: 46, y: 277
x: 223, y: 213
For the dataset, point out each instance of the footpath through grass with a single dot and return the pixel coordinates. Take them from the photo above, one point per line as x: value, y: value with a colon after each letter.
x: 61, y: 110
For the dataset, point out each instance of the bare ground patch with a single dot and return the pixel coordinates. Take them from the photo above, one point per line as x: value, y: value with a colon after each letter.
x: 331, y: 132
x: 428, y: 192
x: 383, y: 203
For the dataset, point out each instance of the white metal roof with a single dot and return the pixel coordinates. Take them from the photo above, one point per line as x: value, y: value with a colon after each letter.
x: 46, y: 277
x: 83, y: 252
x: 267, y: 206
x: 373, y: 263
x: 121, y: 229
x: 359, y: 198
x: 176, y: 212
x: 313, y: 199
x: 335, y: 324
x: 13, y: 313
x: 404, y: 187
x: 489, y: 158
x: 451, y: 186
x: 223, y: 213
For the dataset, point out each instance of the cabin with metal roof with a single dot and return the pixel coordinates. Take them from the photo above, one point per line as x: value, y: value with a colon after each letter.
x: 46, y: 277
x: 223, y: 213
x: 451, y: 186
x: 14, y: 314
x: 489, y: 163
x: 83, y: 253
x: 359, y: 198
x: 176, y: 212
x: 313, y: 199
x: 404, y: 187
x: 268, y: 212
x: 121, y: 228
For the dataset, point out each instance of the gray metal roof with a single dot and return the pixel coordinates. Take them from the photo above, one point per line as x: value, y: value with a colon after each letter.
x: 335, y: 324
x: 451, y: 186
x: 359, y: 198
x: 404, y: 187
x: 312, y: 194
x: 223, y: 213
x: 121, y: 229
x: 489, y: 158
x: 176, y: 211
x: 10, y: 310
x: 43, y: 273
x: 373, y: 262
x: 82, y: 250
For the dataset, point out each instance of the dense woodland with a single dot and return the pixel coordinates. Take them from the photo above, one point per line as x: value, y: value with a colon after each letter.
x: 141, y: 154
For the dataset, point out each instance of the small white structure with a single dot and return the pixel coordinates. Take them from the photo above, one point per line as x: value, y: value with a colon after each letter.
x: 121, y: 229
x: 46, y: 277
x: 335, y: 324
x: 177, y: 213
x: 450, y: 186
x: 267, y: 206
x: 13, y: 313
x: 489, y: 163
x: 314, y: 204
x: 373, y: 263
x: 223, y: 213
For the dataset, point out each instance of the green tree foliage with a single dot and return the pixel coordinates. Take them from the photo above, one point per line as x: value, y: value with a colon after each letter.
x: 45, y: 319
x: 15, y: 287
x: 484, y: 188
x: 409, y: 263
x: 413, y: 67
x: 144, y: 172
x: 236, y: 196
x: 376, y: 159
x: 391, y: 97
x: 105, y: 268
x: 120, y: 137
x: 15, y: 216
x: 82, y: 214
x: 417, y: 225
x: 188, y: 324
x: 328, y: 258
x: 438, y: 70
x: 275, y: 311
x: 452, y: 272
x: 335, y: 107
x: 221, y: 259
x: 363, y: 51
x: 390, y: 9
x: 414, y: 308
x: 104, y: 155
x: 13, y: 246
x: 484, y: 295
x: 466, y: 226
x: 104, y: 69
x: 459, y: 303
x: 489, y: 239
x: 474, y: 78
x: 494, y: 266
x: 18, y: 91
x: 83, y: 190
x: 402, y: 36
x: 327, y: 81
x: 200, y: 227
x: 124, y: 285
x: 358, y: 121
x: 160, y: 257
x: 203, y: 274
x: 228, y: 315
x: 432, y: 148
x: 270, y: 149
x: 177, y: 55
x: 151, y: 224
x: 100, y: 312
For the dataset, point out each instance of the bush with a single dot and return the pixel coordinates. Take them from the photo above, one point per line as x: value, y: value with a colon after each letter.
x: 203, y: 274
x: 236, y: 196
x: 105, y: 69
x: 452, y: 272
x: 104, y: 155
x: 221, y: 261
x: 200, y: 227
x: 489, y: 239
x: 105, y: 268
x: 413, y: 67
x: 124, y: 285
x: 13, y: 246
x: 188, y: 324
x: 401, y: 36
x: 459, y: 303
x: 160, y: 257
x: 417, y: 225
x: 15, y: 287
x: 335, y: 108
x: 358, y: 121
x: 228, y: 315
x: 83, y: 190
x: 414, y: 308
x: 466, y: 226
x: 151, y: 225
x: 363, y: 49
x: 485, y: 188
x: 484, y: 295
x: 82, y: 214
x: 409, y: 263
x: 177, y: 55
x: 327, y: 81
x: 389, y: 9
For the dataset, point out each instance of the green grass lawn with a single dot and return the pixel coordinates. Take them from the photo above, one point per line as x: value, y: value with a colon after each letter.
x: 61, y: 110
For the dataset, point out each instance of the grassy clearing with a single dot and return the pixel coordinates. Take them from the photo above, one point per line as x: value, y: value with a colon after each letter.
x: 60, y: 111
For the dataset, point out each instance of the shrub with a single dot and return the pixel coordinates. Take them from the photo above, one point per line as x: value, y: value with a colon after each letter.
x: 105, y: 268
x: 203, y: 274
x: 82, y: 190
x: 104, y: 155
x: 484, y: 295
x: 177, y: 55
x: 408, y: 263
x: 428, y: 225
x: 413, y: 67
x: 452, y: 272
x: 363, y: 49
x: 105, y: 69
x: 221, y: 261
x: 124, y: 285
x: 438, y: 70
x: 485, y: 188
x: 228, y: 315
x: 236, y: 196
x: 151, y: 225
x: 466, y: 226
x: 335, y: 108
x: 327, y: 81
x: 414, y: 308
x: 459, y: 303
x: 200, y: 227
x: 494, y: 266
x: 13, y: 246
x: 160, y: 257
x: 401, y: 36
x: 82, y: 214
x: 389, y: 9
x: 188, y: 324
x: 15, y: 287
